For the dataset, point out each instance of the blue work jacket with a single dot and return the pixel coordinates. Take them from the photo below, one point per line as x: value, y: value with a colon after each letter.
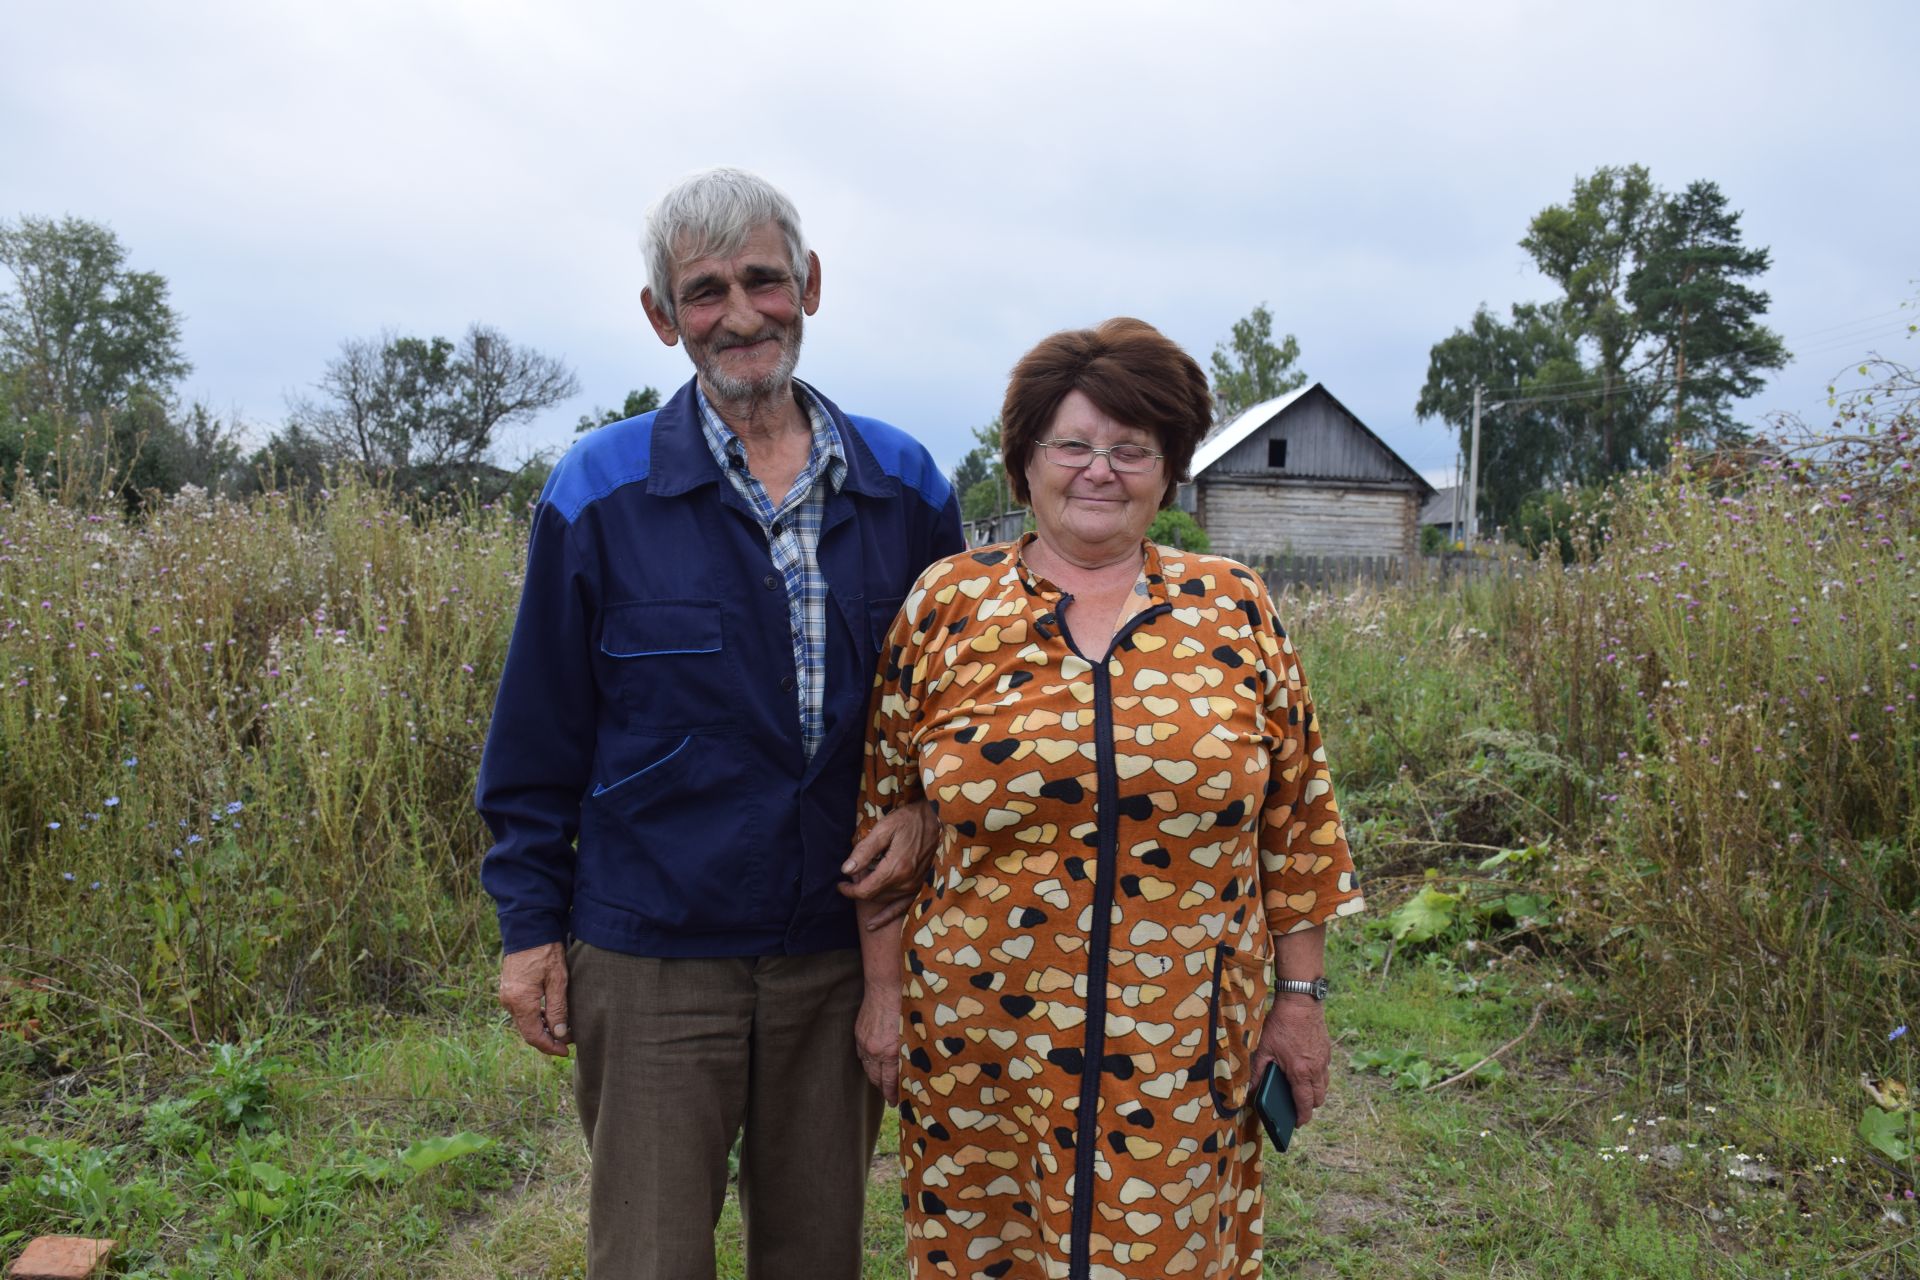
x: 644, y: 777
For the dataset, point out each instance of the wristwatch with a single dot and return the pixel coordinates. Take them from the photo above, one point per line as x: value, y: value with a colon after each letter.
x: 1317, y: 988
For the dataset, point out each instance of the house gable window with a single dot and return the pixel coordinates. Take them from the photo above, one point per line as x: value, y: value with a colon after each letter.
x: 1277, y: 452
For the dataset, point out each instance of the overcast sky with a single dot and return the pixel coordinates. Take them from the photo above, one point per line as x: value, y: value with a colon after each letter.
x: 973, y: 176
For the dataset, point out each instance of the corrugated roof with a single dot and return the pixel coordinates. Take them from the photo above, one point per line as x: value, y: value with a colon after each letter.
x: 1221, y: 442
x: 1440, y: 507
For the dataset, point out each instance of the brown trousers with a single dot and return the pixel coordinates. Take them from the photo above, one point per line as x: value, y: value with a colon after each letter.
x: 671, y: 1059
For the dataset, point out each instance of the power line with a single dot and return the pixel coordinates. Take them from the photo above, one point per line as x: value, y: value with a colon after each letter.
x: 1602, y: 385
x: 1625, y: 384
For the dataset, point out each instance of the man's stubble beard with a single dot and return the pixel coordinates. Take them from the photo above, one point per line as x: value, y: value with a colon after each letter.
x: 776, y: 385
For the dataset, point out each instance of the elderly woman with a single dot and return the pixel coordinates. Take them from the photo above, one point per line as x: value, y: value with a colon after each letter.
x: 1137, y: 824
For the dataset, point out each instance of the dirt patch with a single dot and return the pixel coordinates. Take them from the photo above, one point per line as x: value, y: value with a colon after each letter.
x: 1341, y: 1213
x: 1341, y: 1159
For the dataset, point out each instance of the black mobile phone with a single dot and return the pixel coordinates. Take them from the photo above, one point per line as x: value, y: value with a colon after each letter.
x: 1274, y: 1100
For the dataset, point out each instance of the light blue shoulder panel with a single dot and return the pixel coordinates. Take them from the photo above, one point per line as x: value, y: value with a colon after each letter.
x: 904, y: 458
x: 605, y: 459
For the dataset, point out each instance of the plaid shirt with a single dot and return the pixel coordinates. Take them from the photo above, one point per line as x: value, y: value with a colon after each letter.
x: 793, y: 539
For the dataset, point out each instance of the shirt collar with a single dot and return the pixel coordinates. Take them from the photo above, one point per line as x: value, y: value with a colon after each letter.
x: 825, y: 458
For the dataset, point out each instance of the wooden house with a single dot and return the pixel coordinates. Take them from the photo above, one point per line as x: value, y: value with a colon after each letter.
x: 1300, y: 475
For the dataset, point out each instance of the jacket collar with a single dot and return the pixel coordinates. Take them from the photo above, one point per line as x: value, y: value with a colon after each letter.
x: 682, y: 462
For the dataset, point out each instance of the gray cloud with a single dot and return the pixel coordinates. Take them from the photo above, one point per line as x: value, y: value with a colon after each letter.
x: 973, y: 178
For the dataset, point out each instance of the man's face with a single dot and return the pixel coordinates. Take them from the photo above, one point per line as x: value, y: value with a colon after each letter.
x: 741, y: 316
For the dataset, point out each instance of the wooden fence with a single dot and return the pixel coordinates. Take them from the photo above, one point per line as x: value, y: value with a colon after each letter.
x: 1285, y: 571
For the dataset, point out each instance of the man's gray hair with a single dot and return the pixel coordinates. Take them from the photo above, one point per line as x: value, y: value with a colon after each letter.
x: 713, y: 213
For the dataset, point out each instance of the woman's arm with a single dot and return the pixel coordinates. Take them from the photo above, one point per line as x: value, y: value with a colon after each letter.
x: 1295, y: 1032
x: 1306, y: 871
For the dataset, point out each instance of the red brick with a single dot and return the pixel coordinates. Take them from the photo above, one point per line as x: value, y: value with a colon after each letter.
x: 61, y: 1258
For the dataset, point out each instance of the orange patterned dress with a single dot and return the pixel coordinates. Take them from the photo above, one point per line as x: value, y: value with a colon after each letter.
x: 1086, y: 968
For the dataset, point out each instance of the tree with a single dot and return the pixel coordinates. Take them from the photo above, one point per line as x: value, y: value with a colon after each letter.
x: 979, y: 479
x: 645, y: 400
x: 1523, y: 447
x: 1690, y: 295
x: 1588, y: 247
x: 79, y: 332
x: 1249, y: 368
x: 1654, y: 335
x: 417, y: 407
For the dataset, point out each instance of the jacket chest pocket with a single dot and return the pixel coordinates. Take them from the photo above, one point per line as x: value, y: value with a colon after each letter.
x: 668, y: 663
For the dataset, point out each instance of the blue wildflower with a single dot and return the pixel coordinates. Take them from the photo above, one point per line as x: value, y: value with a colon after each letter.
x: 234, y: 806
x: 95, y: 885
x: 131, y: 761
x: 194, y: 838
x: 179, y: 854
x: 113, y: 801
x: 1897, y: 1032
x: 67, y: 876
x: 53, y: 826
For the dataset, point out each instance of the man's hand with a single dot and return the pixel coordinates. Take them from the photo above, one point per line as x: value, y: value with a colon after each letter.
x: 890, y: 863
x: 876, y: 1038
x: 533, y: 987
x: 1295, y: 1036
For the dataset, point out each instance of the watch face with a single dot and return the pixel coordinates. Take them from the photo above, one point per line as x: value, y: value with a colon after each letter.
x: 1319, y: 988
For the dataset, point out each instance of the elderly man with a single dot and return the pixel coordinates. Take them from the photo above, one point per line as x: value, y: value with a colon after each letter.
x: 671, y: 771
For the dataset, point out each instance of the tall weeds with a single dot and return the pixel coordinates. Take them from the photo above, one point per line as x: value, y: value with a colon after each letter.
x: 237, y: 744
x: 1740, y: 667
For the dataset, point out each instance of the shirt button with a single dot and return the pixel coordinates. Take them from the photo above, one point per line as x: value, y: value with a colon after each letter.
x: 767, y: 582
x: 786, y: 682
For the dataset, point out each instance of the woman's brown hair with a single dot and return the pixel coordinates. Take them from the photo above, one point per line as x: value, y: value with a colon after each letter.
x: 1131, y: 371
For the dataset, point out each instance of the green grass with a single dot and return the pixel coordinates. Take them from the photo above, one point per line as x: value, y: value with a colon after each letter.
x: 1538, y: 1173
x: 1668, y: 798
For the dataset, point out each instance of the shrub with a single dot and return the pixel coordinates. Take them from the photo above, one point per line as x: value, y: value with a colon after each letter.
x: 1173, y: 527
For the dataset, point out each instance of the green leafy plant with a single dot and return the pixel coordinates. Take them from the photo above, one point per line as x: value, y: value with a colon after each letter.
x: 240, y: 1084
x: 1410, y: 1069
x: 1893, y: 1133
x: 169, y: 1126
x: 1425, y: 916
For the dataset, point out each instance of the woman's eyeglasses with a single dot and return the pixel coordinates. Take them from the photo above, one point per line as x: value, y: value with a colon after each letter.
x: 1121, y: 457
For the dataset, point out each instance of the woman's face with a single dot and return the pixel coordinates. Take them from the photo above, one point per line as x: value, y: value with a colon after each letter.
x: 1092, y: 513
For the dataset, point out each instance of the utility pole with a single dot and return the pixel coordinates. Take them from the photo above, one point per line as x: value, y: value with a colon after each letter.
x: 1473, y: 474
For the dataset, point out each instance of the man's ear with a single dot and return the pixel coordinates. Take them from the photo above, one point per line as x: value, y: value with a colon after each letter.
x: 810, y: 298
x: 658, y: 318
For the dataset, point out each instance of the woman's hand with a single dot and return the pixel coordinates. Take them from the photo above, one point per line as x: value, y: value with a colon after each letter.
x: 1295, y: 1036
x: 876, y: 1038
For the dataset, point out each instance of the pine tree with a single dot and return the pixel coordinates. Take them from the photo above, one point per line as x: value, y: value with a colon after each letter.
x: 1690, y: 293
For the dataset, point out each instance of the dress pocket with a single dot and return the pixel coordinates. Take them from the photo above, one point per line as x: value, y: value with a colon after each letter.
x: 1233, y: 1026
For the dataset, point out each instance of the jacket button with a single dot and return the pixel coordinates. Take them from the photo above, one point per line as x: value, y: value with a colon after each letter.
x: 786, y: 682
x: 767, y: 582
